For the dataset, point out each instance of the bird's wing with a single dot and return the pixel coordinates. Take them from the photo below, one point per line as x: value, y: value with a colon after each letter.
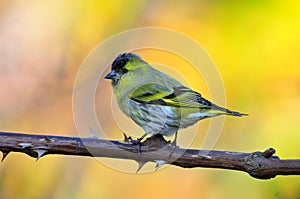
x: 181, y: 97
x: 154, y: 93
x: 185, y: 97
x: 151, y: 93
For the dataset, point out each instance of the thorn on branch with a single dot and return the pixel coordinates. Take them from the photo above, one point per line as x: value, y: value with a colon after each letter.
x: 4, y: 155
x: 46, y: 139
x: 268, y: 153
x: 40, y: 153
x: 92, y: 133
x: 159, y: 164
x: 257, y: 162
x: 127, y: 138
x: 140, y: 166
x: 25, y: 145
x: 154, y: 142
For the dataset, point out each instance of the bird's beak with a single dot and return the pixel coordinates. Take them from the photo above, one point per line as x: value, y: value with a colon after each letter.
x: 111, y: 75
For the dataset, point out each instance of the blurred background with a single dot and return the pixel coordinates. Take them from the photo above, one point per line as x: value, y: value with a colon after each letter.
x: 254, y: 44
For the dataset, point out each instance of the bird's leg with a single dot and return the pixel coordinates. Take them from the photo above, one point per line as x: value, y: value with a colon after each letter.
x: 173, y: 145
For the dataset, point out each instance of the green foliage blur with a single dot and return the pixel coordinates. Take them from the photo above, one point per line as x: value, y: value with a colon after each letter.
x: 255, y: 45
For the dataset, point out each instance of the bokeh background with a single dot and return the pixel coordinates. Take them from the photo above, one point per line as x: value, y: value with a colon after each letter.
x: 255, y: 45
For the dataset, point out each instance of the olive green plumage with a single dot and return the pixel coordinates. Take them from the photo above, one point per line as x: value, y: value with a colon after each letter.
x: 155, y: 101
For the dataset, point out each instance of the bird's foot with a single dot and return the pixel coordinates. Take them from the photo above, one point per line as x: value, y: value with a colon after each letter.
x: 138, y: 143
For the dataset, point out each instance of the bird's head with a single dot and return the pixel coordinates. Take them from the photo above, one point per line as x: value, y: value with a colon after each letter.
x: 125, y: 63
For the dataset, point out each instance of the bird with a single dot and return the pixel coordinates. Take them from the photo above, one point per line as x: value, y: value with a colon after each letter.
x: 155, y: 101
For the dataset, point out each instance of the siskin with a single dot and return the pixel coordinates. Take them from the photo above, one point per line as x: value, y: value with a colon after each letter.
x: 155, y: 101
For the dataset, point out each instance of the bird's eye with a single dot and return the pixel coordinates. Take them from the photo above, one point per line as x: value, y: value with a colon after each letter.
x: 124, y: 70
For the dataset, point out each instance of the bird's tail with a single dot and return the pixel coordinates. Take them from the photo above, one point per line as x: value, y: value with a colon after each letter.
x: 234, y: 113
x: 228, y: 112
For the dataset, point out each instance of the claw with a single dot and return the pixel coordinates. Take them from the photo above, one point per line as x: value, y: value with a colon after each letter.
x: 136, y: 142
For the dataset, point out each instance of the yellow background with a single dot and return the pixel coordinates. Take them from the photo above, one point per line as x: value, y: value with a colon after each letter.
x: 255, y: 45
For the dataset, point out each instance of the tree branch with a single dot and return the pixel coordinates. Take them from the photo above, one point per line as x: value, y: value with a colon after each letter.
x: 261, y: 165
